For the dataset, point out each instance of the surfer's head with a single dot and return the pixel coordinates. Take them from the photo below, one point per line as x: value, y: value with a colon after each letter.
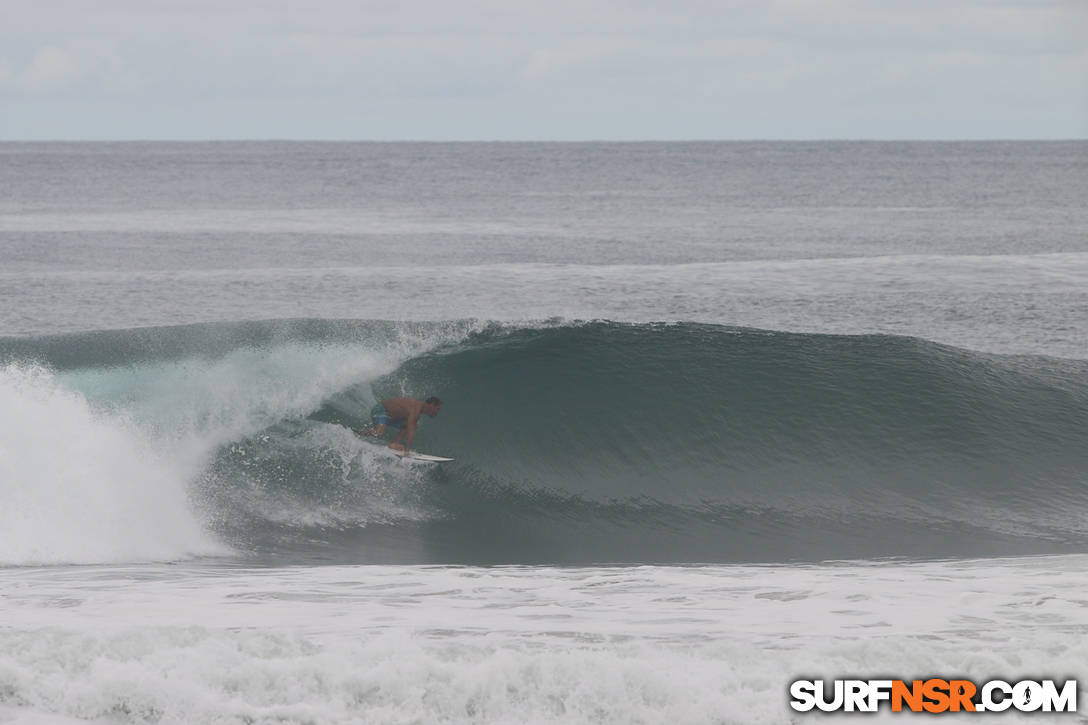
x: 432, y: 405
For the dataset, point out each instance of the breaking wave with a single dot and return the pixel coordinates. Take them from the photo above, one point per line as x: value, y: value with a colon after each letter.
x: 574, y: 443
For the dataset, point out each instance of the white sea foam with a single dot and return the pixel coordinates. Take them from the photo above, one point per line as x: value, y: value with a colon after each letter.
x: 78, y: 486
x: 363, y: 482
x: 519, y: 644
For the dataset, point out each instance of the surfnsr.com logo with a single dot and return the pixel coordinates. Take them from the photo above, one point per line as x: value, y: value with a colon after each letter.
x: 933, y: 695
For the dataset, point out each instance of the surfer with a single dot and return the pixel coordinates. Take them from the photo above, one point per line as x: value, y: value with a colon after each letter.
x: 402, y: 414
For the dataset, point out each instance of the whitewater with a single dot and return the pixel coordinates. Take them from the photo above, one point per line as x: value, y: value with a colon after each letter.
x: 724, y: 415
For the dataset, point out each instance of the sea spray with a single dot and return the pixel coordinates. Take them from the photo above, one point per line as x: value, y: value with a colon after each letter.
x: 78, y: 486
x: 107, y: 435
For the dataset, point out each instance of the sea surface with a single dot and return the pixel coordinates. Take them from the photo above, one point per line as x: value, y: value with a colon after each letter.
x: 724, y: 415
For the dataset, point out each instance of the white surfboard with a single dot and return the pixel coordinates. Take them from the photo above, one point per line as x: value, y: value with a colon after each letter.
x: 411, y: 456
x: 424, y: 457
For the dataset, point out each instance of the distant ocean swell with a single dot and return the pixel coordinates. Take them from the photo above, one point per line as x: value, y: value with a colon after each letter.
x: 575, y: 443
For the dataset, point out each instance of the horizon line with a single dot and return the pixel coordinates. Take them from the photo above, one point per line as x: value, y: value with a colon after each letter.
x: 829, y: 139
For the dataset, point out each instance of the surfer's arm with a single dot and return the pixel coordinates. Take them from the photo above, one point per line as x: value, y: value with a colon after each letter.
x: 410, y: 430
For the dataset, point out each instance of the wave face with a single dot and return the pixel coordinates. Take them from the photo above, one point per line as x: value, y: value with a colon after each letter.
x: 589, y: 443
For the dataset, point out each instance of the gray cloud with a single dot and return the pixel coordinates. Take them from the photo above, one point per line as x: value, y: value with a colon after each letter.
x: 491, y: 69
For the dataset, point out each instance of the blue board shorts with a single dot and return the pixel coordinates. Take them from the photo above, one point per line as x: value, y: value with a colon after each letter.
x: 380, y: 416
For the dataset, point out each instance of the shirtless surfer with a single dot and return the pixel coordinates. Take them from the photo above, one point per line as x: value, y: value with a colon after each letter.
x: 403, y: 414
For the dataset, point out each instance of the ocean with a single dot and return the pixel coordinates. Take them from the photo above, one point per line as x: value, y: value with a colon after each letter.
x: 725, y: 415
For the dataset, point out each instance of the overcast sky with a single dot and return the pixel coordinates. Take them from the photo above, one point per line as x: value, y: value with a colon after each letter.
x: 562, y: 70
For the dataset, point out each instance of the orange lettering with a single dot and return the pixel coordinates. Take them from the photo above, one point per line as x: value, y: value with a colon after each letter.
x: 936, y: 691
x: 961, y: 693
x: 912, y: 695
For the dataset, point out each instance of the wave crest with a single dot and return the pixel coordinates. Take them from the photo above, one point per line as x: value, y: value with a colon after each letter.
x: 598, y: 442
